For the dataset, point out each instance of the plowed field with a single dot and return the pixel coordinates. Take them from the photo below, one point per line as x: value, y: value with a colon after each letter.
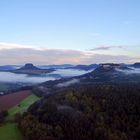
x: 10, y: 100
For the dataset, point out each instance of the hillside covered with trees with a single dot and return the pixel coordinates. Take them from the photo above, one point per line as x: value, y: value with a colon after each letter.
x: 99, y: 112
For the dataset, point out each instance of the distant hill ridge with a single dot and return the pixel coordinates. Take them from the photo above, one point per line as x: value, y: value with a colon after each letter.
x: 29, y: 66
x: 136, y: 65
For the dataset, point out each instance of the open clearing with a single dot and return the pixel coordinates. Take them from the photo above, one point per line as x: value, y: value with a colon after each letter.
x: 22, y: 106
x: 10, y: 131
x: 10, y: 100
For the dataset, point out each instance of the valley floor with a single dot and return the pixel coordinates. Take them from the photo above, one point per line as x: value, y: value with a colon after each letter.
x: 10, y: 100
x: 9, y: 129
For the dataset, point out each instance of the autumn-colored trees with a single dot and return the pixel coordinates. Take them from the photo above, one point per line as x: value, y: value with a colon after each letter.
x: 104, y: 112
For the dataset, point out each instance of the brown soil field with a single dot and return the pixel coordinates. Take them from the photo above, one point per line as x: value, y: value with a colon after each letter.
x: 10, y: 100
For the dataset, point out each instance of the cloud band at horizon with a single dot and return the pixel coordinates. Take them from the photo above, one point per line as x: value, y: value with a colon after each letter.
x: 21, y: 54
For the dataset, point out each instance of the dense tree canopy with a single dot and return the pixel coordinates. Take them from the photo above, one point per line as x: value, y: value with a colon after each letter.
x: 104, y: 112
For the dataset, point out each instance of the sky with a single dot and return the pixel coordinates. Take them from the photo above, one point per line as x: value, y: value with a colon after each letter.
x: 69, y: 31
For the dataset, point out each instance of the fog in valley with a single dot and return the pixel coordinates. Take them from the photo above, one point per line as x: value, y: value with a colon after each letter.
x: 22, y: 78
x: 131, y: 70
x: 9, y: 77
x: 70, y: 72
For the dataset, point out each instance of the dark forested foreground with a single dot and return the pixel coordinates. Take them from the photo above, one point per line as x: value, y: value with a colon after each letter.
x: 85, y: 113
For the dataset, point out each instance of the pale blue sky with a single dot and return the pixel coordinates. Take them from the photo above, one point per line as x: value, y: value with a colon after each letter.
x: 73, y: 24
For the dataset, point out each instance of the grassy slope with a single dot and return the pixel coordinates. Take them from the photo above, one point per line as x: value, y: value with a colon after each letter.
x: 9, y: 131
x: 22, y: 106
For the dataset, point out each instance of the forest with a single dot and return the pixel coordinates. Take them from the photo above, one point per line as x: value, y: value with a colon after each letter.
x: 89, y: 112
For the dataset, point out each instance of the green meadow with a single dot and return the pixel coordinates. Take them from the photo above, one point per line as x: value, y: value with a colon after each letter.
x: 22, y: 106
x: 9, y: 130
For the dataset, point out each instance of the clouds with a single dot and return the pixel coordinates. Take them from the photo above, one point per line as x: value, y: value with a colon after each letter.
x: 101, y: 58
x: 4, y: 45
x: 19, y: 54
x: 106, y: 48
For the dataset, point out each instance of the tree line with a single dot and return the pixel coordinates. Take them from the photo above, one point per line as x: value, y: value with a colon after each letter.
x: 103, y: 112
